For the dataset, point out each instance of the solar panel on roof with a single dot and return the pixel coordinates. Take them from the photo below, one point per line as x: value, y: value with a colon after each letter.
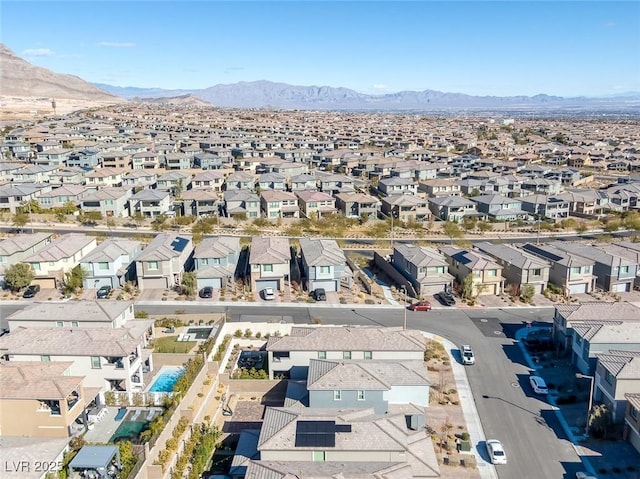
x: 179, y: 244
x: 343, y: 428
x: 315, y: 434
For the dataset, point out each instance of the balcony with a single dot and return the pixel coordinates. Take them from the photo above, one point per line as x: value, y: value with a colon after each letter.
x: 50, y: 406
x: 73, y: 399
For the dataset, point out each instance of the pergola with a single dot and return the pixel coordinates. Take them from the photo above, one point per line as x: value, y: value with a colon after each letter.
x: 96, y: 462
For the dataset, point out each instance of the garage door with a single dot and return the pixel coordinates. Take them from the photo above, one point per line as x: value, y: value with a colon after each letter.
x: 45, y: 283
x: 215, y: 283
x: 154, y: 283
x: 271, y: 283
x: 578, y: 288
x: 96, y: 283
x: 328, y: 285
x: 620, y: 288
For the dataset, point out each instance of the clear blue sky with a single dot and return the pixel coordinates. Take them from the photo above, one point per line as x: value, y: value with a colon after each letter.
x: 477, y: 47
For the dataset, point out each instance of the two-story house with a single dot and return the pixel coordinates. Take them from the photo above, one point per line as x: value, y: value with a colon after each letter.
x: 632, y: 420
x: 209, y: 180
x: 176, y: 182
x: 241, y: 202
x: 14, y: 196
x: 269, y: 260
x: 544, y: 206
x: 111, y: 263
x: 324, y: 264
x: 199, y: 202
x: 178, y: 161
x: 62, y: 196
x: 440, y: 187
x: 150, y: 203
x: 146, y: 160
x: 163, y: 262
x: 426, y: 268
x: 485, y: 271
x: 357, y: 205
x: 240, y: 180
x: 279, y: 204
x: 108, y: 201
x: 103, y: 177
x: 405, y: 207
x: 216, y: 260
x: 59, y: 257
x: 616, y: 375
x: 15, y: 248
x: 272, y: 181
x: 500, y: 208
x: 314, y: 203
x: 571, y: 272
x: 71, y: 175
x: 33, y: 174
x: 305, y: 181
x: 519, y: 267
x: 452, y: 208
x: 397, y: 185
x: 139, y: 179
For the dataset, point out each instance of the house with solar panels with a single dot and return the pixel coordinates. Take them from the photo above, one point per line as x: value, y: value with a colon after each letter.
x: 163, y: 262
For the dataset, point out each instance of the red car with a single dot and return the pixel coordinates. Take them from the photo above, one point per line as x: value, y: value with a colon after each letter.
x: 420, y: 306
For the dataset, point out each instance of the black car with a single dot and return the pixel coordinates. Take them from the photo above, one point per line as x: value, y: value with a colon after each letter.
x: 103, y: 292
x: 319, y: 294
x: 446, y: 298
x: 31, y: 291
x: 206, y: 292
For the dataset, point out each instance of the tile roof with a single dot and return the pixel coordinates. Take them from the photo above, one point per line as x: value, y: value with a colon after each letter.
x: 322, y: 252
x: 37, y: 380
x: 111, y: 249
x: 63, y: 247
x: 164, y: 247
x: 622, y: 364
x: 597, y: 310
x: 17, y: 244
x: 269, y: 250
x: 94, y: 311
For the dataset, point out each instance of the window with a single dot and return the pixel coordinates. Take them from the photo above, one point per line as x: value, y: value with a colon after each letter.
x: 95, y: 362
x: 368, y: 355
x: 337, y: 395
x: 35, y: 266
x: 152, y: 265
x: 268, y: 268
x: 624, y: 269
x: 103, y: 266
x: 325, y: 269
x: 360, y: 395
x: 609, y: 377
x: 440, y: 269
x: 216, y: 260
x: 59, y: 324
x: 322, y: 355
x: 536, y: 272
x: 492, y: 272
x: 45, y: 358
x: 477, y: 274
x: 319, y: 456
x: 346, y: 355
x: 74, y: 324
x: 575, y: 270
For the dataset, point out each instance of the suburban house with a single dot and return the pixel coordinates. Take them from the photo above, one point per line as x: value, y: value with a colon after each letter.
x: 357, y: 205
x: 571, y: 272
x: 373, y: 384
x: 452, y: 208
x: 500, y: 208
x: 314, y: 203
x: 62, y: 196
x: 33, y: 174
x: 568, y: 316
x: 279, y: 204
x: 397, y: 186
x: 216, y: 260
x: 240, y: 180
x: 628, y: 250
x: 211, y: 180
x: 632, y: 420
x: 14, y: 249
x: 151, y: 203
x: 270, y: 262
x: 614, y: 272
x: 109, y: 202
x: 41, y: 399
x: 272, y: 181
x: 289, y: 356
x: 241, y: 202
x: 616, y: 374
x: 59, y: 257
x: 485, y: 271
x: 116, y: 159
x: 546, y: 206
x: 440, y: 187
x: 426, y: 268
x: 405, y: 207
x: 305, y: 181
x: 102, y: 177
x: 14, y: 196
x: 145, y: 160
x: 324, y: 265
x: 163, y: 262
x: 139, y: 179
x: 71, y: 175
x: 199, y: 202
x: 176, y: 182
x: 111, y: 263
x: 519, y: 268
x: 73, y: 314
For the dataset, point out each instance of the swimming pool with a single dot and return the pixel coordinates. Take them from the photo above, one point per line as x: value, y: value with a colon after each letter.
x: 128, y: 431
x: 200, y: 333
x: 165, y: 379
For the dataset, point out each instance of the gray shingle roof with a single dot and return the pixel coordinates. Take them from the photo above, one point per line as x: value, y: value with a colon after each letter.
x: 63, y: 247
x: 111, y: 249
x: 322, y: 252
x: 269, y: 250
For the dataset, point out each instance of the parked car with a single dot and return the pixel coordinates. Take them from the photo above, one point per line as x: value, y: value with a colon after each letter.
x: 584, y: 475
x: 103, y: 292
x: 467, y: 354
x: 268, y: 294
x: 31, y: 291
x: 496, y: 452
x: 319, y: 294
x: 420, y: 306
x: 446, y: 298
x: 538, y: 385
x: 206, y: 292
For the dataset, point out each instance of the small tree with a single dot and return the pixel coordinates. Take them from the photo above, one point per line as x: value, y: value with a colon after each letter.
x: 19, y: 220
x: 468, y: 292
x: 483, y: 226
x: 18, y: 276
x: 189, y: 283
x: 527, y: 292
x: 452, y: 230
x: 74, y: 279
x: 600, y: 420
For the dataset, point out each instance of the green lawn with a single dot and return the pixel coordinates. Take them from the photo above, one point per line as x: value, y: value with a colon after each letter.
x: 168, y: 344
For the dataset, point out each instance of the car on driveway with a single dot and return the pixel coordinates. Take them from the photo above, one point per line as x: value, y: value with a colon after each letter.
x: 446, y: 298
x: 268, y: 294
x: 496, y: 452
x: 466, y: 352
x: 31, y: 291
x: 206, y: 292
x: 103, y: 292
x: 319, y: 294
x: 420, y: 306
x: 538, y: 385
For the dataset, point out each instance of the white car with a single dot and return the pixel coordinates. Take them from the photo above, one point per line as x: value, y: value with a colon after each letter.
x: 467, y: 354
x: 496, y: 452
x: 268, y: 294
x: 538, y: 385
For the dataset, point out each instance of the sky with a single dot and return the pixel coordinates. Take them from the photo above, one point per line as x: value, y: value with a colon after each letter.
x: 501, y: 48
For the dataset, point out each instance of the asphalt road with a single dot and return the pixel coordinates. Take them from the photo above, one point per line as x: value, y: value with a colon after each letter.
x: 534, y: 441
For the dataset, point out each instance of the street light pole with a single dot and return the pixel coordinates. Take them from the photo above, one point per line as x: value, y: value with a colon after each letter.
x: 591, y: 384
x: 404, y: 322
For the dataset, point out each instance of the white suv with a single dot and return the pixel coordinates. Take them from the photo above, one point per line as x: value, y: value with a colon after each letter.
x: 467, y: 354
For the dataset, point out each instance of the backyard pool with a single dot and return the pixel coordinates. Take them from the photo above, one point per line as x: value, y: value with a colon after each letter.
x: 199, y: 333
x: 165, y: 379
x: 128, y: 431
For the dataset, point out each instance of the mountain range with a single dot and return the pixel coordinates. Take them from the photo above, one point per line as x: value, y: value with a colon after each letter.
x: 18, y: 78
